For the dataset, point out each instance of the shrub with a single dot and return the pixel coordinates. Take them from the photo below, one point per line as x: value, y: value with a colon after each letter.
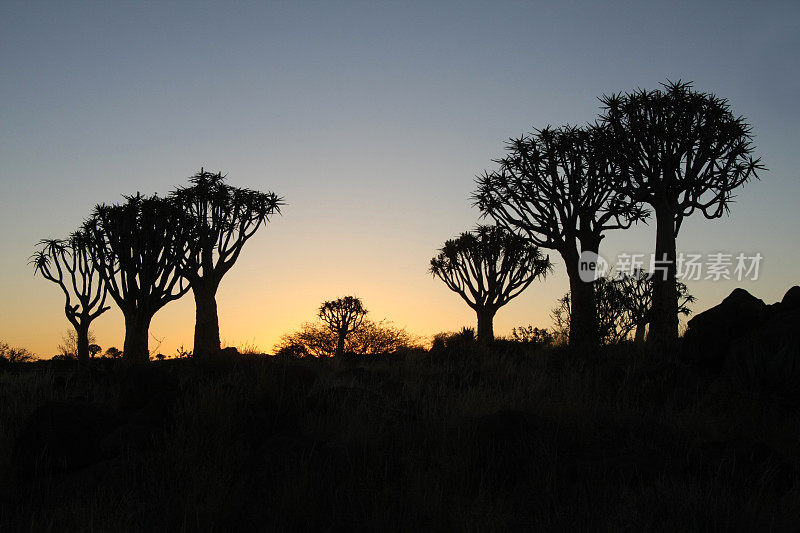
x: 14, y: 355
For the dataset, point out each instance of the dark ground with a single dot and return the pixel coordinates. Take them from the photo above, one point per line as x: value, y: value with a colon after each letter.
x: 463, y: 439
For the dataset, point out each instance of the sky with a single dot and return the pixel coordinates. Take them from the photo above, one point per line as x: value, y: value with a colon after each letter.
x: 371, y: 119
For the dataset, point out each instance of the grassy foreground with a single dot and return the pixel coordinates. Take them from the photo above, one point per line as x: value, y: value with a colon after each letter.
x: 463, y: 439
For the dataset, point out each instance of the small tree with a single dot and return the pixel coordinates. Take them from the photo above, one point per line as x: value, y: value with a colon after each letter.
x: 560, y: 315
x: 681, y: 151
x: 563, y: 190
x: 113, y: 353
x: 219, y: 220
x: 69, y: 264
x: 614, y: 322
x: 316, y: 339
x: 136, y: 247
x: 636, y: 293
x: 342, y: 316
x: 487, y: 269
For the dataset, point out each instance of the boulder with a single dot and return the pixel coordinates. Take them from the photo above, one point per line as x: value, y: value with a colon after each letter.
x: 744, y: 328
x: 791, y: 300
x: 766, y: 362
x: 711, y: 333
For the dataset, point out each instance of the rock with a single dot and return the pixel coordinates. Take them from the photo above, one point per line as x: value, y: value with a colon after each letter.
x: 755, y: 344
x: 767, y: 361
x: 711, y: 334
x: 61, y: 436
x: 791, y: 300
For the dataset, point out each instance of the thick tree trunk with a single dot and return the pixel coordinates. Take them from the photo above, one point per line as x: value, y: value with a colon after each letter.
x: 206, y: 326
x: 486, y: 325
x: 583, y: 309
x: 82, y: 331
x: 664, y: 319
x: 137, y: 330
x: 340, y: 344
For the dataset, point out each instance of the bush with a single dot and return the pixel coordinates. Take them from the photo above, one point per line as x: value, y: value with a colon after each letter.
x: 370, y: 338
x: 14, y: 355
x: 532, y: 336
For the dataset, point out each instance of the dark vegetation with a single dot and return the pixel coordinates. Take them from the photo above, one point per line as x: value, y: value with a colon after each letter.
x: 317, y: 339
x: 562, y: 189
x: 355, y: 425
x: 681, y: 151
x: 148, y: 251
x: 68, y: 263
x: 488, y: 268
x: 218, y: 219
x: 518, y: 436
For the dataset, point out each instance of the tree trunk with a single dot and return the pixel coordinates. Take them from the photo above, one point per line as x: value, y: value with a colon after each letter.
x: 340, y: 344
x: 638, y: 337
x: 82, y: 331
x: 206, y: 326
x: 583, y: 309
x: 664, y: 319
x: 137, y: 330
x: 486, y: 325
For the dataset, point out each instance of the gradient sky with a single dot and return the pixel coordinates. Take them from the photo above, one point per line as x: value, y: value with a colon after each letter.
x: 371, y: 119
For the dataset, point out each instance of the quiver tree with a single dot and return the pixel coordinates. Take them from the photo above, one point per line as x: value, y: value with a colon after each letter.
x: 681, y: 151
x: 487, y: 268
x: 218, y: 220
x: 68, y: 263
x: 136, y: 247
x: 562, y: 189
x: 342, y: 316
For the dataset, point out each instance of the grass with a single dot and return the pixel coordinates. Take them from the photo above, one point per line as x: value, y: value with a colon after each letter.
x: 463, y: 439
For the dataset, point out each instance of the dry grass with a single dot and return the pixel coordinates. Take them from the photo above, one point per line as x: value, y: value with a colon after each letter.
x: 464, y: 439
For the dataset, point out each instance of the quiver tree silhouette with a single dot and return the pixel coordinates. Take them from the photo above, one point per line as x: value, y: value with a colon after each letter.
x: 136, y: 247
x: 487, y: 268
x: 681, y: 151
x: 342, y: 316
x: 69, y: 264
x: 562, y: 189
x: 219, y: 219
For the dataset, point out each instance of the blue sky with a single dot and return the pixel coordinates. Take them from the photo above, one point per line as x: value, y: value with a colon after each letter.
x: 371, y: 119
